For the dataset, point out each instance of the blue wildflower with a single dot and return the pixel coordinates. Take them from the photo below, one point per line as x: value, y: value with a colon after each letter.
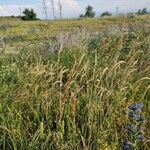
x: 136, y: 116
x: 139, y: 117
x: 127, y: 145
x: 141, y: 137
x: 136, y: 107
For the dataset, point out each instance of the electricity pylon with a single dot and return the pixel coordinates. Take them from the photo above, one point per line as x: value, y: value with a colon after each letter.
x: 45, y: 9
x: 53, y: 8
x: 60, y: 9
x: 117, y: 10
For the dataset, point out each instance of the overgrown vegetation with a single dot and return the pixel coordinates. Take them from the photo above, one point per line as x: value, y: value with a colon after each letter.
x: 143, y: 11
x: 29, y: 15
x: 88, y: 12
x: 72, y: 91
x: 106, y: 13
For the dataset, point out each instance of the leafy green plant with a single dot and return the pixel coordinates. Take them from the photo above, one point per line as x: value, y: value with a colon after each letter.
x: 142, y: 11
x: 88, y: 12
x: 29, y: 14
x: 106, y: 13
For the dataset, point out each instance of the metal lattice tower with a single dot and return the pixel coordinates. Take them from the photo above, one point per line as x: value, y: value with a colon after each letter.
x: 117, y: 10
x: 19, y: 8
x: 60, y: 9
x: 45, y: 9
x: 53, y: 8
x: 20, y: 11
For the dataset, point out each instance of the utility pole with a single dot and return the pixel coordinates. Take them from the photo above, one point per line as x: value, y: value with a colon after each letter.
x: 53, y: 8
x: 60, y: 9
x: 45, y: 9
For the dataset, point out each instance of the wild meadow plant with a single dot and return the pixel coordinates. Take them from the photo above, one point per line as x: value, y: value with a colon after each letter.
x: 135, y: 128
x: 69, y: 93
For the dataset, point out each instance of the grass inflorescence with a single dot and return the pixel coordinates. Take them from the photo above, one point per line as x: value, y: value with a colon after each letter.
x: 72, y: 92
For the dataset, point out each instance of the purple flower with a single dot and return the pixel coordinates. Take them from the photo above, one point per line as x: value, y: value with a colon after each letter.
x: 141, y: 137
x: 135, y: 116
x: 139, y: 117
x: 136, y: 107
x: 127, y: 145
x: 135, y: 129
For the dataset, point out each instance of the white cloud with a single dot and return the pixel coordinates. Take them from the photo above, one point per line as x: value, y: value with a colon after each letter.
x: 8, y: 10
x: 71, y: 8
x: 73, y: 4
x: 3, y: 12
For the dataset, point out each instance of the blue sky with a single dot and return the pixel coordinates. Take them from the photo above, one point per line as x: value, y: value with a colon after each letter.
x: 72, y: 8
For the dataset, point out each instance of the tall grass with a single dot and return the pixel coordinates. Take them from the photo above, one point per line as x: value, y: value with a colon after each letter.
x: 73, y: 92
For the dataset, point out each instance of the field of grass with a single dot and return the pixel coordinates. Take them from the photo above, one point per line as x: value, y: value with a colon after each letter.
x: 67, y: 85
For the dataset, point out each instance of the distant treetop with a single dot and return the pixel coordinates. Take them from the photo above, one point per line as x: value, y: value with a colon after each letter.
x: 29, y: 14
x: 142, y: 11
x: 106, y: 13
x: 88, y: 12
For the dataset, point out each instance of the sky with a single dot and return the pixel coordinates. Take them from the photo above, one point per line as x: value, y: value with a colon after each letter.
x: 71, y: 8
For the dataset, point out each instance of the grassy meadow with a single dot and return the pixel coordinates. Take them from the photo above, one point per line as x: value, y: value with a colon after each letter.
x: 67, y: 84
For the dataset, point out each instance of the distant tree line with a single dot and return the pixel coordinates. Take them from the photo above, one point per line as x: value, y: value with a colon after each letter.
x: 106, y: 13
x: 143, y: 11
x: 29, y: 14
x: 90, y: 13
